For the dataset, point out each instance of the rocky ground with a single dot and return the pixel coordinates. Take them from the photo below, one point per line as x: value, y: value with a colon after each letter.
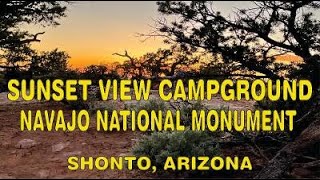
x: 44, y: 154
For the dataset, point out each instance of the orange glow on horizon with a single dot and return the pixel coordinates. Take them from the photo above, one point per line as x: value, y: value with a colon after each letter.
x: 79, y: 62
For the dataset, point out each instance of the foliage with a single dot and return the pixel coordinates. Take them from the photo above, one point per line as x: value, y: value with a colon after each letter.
x: 16, y: 43
x: 186, y: 111
x: 164, y: 62
x: 301, y: 107
x: 50, y: 62
x: 108, y: 106
x: 246, y: 39
x: 95, y: 72
x: 160, y: 145
x: 150, y: 105
x: 79, y: 103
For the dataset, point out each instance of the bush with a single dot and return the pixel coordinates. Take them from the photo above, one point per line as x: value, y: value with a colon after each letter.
x: 152, y: 104
x: 108, y: 106
x: 159, y: 145
x: 79, y: 103
x: 186, y: 111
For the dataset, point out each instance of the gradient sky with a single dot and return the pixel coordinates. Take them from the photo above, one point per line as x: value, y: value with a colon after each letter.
x: 94, y: 30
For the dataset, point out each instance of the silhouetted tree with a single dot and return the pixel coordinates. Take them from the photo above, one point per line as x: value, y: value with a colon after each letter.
x: 114, y: 72
x: 251, y: 40
x: 248, y: 38
x: 95, y: 72
x: 169, y: 61
x: 13, y: 14
x: 50, y: 62
x: 162, y: 62
x: 132, y: 67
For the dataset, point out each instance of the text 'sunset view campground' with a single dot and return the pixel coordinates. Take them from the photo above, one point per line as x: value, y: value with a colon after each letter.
x: 159, y: 89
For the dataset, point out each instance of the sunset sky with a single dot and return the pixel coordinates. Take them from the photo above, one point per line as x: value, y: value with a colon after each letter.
x: 93, y: 31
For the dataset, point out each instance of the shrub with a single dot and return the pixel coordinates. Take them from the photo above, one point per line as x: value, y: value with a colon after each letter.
x: 186, y: 111
x: 108, y: 106
x: 152, y: 104
x: 159, y: 145
x: 79, y: 103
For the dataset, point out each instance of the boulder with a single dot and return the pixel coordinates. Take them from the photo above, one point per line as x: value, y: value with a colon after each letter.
x: 26, y: 143
x: 59, y: 147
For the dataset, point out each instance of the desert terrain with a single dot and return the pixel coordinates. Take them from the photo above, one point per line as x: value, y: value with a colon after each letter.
x: 44, y: 154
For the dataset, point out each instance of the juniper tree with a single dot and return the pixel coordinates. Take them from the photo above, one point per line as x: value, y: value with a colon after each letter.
x: 251, y: 39
x: 15, y: 41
